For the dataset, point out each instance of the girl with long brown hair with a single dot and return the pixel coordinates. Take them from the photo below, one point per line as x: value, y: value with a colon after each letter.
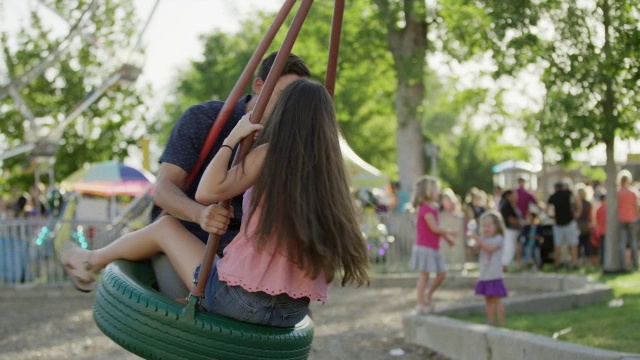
x: 299, y: 225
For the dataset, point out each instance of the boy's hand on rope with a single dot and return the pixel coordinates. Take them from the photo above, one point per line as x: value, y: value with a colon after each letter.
x: 214, y: 219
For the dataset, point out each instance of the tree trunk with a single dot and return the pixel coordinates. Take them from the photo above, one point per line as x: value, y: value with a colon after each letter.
x: 409, y: 48
x: 409, y: 137
x: 612, y: 260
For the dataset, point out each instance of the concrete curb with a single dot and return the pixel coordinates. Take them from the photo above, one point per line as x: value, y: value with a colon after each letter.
x: 466, y: 341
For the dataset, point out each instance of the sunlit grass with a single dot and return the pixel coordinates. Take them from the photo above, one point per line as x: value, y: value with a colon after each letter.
x: 612, y: 328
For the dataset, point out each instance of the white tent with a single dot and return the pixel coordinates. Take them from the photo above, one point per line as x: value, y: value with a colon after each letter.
x: 362, y: 174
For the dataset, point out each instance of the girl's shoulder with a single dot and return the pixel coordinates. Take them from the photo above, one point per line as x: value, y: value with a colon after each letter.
x: 257, y: 154
x: 262, y: 148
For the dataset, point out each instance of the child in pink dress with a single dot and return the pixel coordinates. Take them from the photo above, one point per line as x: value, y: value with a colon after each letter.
x: 425, y: 255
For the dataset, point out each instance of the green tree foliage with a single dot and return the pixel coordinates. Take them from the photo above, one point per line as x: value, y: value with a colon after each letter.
x: 466, y: 29
x: 97, y: 134
x: 469, y: 155
x: 365, y: 83
x: 461, y: 30
x: 591, y: 69
x: 445, y: 106
x: 591, y: 72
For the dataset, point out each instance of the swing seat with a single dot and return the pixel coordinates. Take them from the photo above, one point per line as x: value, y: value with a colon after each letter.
x: 130, y: 311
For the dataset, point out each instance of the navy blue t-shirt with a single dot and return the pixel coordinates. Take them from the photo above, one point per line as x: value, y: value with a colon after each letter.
x: 183, y: 149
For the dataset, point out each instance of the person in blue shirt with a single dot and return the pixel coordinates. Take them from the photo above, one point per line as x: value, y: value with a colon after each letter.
x: 402, y: 198
x: 534, y: 238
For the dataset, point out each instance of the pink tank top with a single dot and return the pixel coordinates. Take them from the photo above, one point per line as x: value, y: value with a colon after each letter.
x: 424, y: 234
x: 266, y: 270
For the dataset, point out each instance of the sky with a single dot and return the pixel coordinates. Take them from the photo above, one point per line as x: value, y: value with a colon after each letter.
x: 172, y: 36
x: 172, y: 40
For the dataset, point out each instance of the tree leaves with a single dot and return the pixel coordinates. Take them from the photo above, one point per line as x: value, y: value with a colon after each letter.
x: 87, y: 60
x: 365, y: 83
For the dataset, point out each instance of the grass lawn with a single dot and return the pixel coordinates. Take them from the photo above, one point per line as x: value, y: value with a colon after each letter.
x: 612, y: 328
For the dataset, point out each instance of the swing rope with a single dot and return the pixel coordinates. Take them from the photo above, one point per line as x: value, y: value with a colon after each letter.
x: 239, y: 87
x: 334, y: 47
x: 261, y: 103
x: 258, y: 111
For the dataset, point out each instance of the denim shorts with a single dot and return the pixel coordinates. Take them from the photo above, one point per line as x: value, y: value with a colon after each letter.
x: 252, y: 307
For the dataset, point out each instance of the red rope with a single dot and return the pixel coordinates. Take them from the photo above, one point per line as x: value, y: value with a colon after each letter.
x: 265, y: 94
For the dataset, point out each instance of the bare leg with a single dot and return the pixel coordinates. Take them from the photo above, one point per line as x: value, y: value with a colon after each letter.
x: 434, y: 285
x: 421, y: 286
x: 166, y: 235
x: 557, y: 255
x: 573, y: 251
x: 518, y: 254
x: 500, y: 311
x: 489, y: 306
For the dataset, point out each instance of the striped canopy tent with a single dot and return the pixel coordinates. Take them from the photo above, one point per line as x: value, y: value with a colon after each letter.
x: 109, y: 178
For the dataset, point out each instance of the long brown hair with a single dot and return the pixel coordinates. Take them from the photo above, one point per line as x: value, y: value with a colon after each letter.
x: 303, y: 187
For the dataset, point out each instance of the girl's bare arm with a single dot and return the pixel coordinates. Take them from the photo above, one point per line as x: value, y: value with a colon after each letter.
x: 486, y: 247
x: 217, y: 183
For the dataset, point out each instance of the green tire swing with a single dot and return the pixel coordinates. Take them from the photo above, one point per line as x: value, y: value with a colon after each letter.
x: 133, y: 314
x: 129, y: 309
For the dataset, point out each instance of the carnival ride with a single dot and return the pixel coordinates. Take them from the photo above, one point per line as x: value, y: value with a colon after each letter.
x: 42, y: 142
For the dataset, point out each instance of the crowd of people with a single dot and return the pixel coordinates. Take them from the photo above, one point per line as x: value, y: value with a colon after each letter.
x: 36, y: 202
x: 567, y: 230
x: 509, y: 229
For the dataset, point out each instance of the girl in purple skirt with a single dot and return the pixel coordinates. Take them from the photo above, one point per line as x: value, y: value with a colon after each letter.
x: 490, y: 282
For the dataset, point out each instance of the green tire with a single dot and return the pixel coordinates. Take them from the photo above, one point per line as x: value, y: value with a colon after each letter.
x: 136, y: 316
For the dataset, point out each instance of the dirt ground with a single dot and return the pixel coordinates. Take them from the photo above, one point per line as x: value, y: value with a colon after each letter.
x: 366, y: 323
